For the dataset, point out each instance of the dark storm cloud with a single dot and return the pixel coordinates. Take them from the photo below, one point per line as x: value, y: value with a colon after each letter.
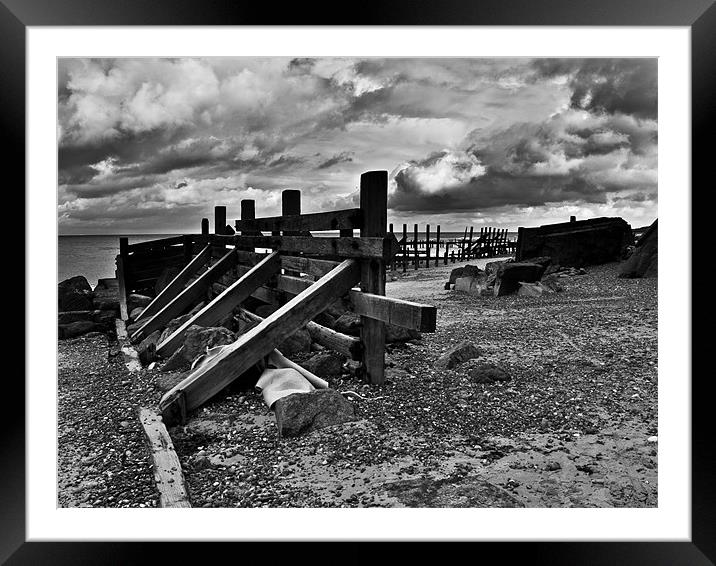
x: 342, y: 157
x: 628, y: 86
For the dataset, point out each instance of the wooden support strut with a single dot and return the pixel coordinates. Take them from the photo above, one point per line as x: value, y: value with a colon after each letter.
x: 236, y: 358
x: 225, y: 303
x: 176, y: 285
x: 187, y: 297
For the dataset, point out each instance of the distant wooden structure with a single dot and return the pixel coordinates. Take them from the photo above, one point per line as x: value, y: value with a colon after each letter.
x: 428, y: 252
x: 300, y: 274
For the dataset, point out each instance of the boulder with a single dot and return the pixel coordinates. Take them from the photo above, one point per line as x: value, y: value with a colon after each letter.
x: 168, y: 382
x: 107, y: 283
x: 532, y: 289
x: 147, y: 348
x: 395, y: 333
x: 302, y: 413
x: 461, y: 353
x: 544, y: 261
x: 74, y: 294
x: 348, y: 323
x: 172, y: 325
x: 73, y: 316
x: 488, y: 373
x: 337, y: 308
x: 73, y: 329
x: 177, y: 361
x: 105, y: 319
x: 325, y: 364
x: 106, y: 299
x: 471, y: 285
x: 135, y: 313
x: 643, y: 262
x: 299, y: 341
x: 198, y: 339
x: 135, y: 300
x: 471, y: 271
x: 509, y: 276
x: 492, y: 267
x: 454, y: 274
x: 325, y: 319
x: 552, y: 283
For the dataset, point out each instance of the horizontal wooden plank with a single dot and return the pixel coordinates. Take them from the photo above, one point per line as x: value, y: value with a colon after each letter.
x: 405, y: 314
x: 227, y: 301
x: 314, y: 267
x: 359, y: 248
x: 176, y: 285
x: 204, y: 382
x: 317, y: 221
x: 159, y: 243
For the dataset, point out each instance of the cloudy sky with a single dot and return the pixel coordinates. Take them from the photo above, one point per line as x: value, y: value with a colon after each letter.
x: 151, y: 145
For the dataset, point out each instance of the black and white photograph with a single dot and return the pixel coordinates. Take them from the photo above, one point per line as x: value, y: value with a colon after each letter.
x: 357, y: 282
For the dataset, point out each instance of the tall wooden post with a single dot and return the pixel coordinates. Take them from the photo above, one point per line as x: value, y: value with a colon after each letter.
x: 392, y: 261
x: 572, y: 218
x: 427, y: 245
x: 122, y: 273
x: 469, y: 244
x: 219, y: 219
x: 462, y: 246
x: 291, y: 206
x: 437, y: 246
x: 374, y: 204
x: 188, y: 245
x: 415, y: 246
x: 405, y: 247
x: 204, y: 226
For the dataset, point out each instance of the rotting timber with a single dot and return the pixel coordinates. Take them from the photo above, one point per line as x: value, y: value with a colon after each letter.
x: 300, y: 274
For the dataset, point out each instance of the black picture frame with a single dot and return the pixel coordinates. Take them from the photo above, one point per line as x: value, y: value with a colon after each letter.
x: 698, y: 15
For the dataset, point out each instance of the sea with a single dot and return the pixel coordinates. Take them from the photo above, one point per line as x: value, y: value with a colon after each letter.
x: 94, y: 256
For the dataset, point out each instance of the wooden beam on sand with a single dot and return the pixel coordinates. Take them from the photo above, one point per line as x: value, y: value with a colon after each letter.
x: 227, y: 301
x: 167, y: 470
x: 186, y: 298
x: 206, y: 381
x: 176, y: 285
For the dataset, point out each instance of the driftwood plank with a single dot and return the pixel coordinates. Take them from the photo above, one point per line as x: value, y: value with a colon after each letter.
x: 206, y: 381
x: 167, y: 469
x: 338, y: 220
x: 226, y: 302
x: 187, y: 297
x: 176, y: 285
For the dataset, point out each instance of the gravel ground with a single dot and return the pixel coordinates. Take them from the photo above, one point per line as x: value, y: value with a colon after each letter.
x: 575, y: 426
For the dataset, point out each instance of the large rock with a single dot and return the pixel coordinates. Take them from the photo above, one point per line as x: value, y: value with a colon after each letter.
x: 302, y: 413
x: 105, y: 320
x: 73, y: 329
x: 532, y: 289
x: 173, y: 325
x: 107, y: 283
x: 196, y: 341
x: 459, y: 354
x: 325, y: 364
x: 509, y: 276
x: 348, y: 323
x: 136, y: 312
x: 551, y: 283
x: 471, y: 285
x: 488, y: 373
x: 298, y: 342
x: 643, y: 262
x: 74, y: 294
x: 395, y: 333
x: 455, y: 274
x: 147, y: 348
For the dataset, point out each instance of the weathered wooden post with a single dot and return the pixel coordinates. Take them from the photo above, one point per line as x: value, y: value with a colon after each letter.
x: 204, y: 226
x: 469, y: 244
x: 427, y: 245
x: 462, y: 246
x: 415, y: 246
x: 392, y: 262
x: 291, y: 206
x: 122, y: 273
x: 374, y: 204
x: 572, y: 218
x: 405, y: 247
x: 188, y: 245
x: 219, y: 219
x: 437, y: 246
